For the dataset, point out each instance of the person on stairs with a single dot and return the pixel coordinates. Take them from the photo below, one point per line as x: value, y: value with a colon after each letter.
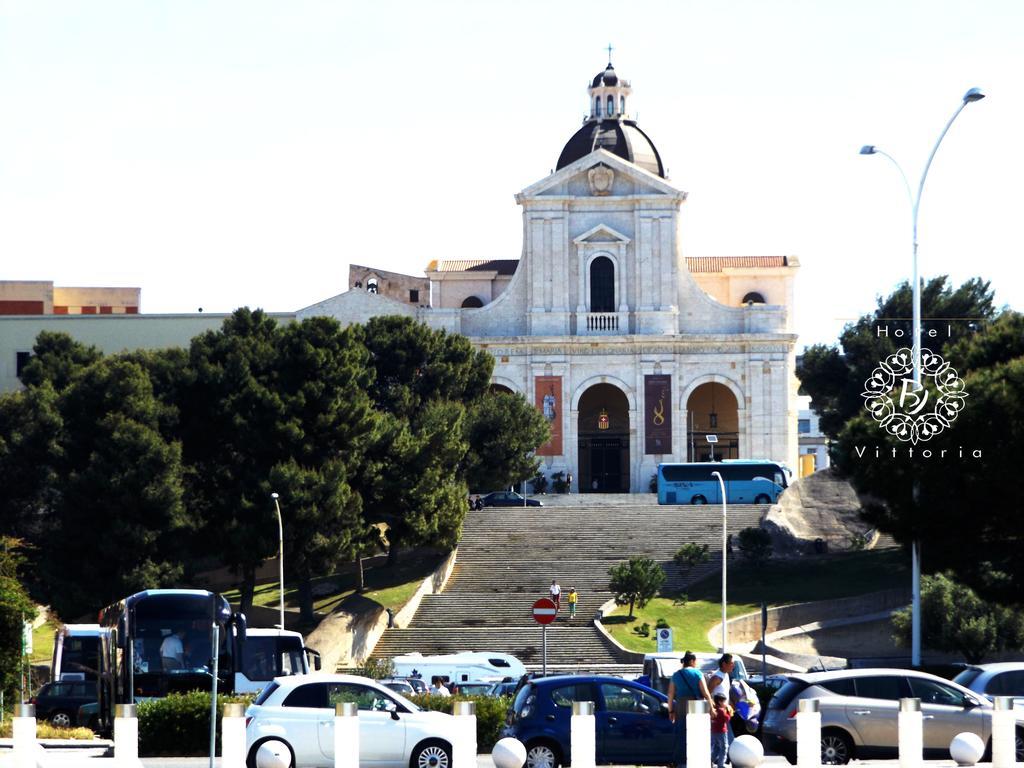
x: 556, y: 594
x: 573, y: 597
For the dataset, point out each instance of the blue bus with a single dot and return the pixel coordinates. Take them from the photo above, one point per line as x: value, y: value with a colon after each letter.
x: 746, y: 482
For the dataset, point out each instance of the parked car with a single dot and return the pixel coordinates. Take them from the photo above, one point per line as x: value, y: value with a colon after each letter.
x: 1002, y: 679
x: 399, y: 685
x: 89, y: 715
x: 772, y: 682
x: 659, y: 668
x: 503, y: 689
x: 299, y: 712
x: 632, y: 724
x: 474, y: 689
x: 508, y: 499
x: 59, y: 702
x: 859, y: 709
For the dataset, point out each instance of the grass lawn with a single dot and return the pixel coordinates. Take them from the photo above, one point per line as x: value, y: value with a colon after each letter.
x: 42, y: 641
x: 388, y: 587
x: 778, y: 583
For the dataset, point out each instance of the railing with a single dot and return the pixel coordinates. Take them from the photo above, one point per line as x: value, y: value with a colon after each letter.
x: 601, y: 322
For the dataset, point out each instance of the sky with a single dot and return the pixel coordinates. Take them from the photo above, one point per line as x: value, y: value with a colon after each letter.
x: 220, y: 154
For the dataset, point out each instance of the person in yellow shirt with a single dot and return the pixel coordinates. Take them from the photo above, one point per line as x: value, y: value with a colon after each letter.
x: 573, y: 597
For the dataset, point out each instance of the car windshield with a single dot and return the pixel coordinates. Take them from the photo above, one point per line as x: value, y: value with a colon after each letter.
x: 967, y: 677
x: 403, y: 701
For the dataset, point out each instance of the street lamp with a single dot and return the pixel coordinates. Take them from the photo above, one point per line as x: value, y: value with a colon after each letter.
x: 974, y: 94
x: 725, y: 539
x: 280, y: 553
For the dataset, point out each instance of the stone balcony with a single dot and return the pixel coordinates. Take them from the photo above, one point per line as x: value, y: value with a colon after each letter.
x: 602, y: 323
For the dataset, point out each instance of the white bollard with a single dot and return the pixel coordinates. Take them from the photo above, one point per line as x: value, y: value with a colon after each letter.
x: 509, y: 753
x: 583, y: 735
x: 808, y: 734
x: 911, y: 733
x: 232, y: 736
x: 346, y: 735
x: 966, y: 748
x: 698, y: 733
x: 1004, y: 733
x: 464, y: 748
x: 126, y: 735
x: 23, y: 729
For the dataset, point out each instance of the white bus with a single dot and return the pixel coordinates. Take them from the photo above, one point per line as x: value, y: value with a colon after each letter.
x: 270, y: 653
x: 76, y: 652
x: 468, y: 667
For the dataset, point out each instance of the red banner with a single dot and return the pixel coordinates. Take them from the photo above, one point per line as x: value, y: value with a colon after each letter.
x: 549, y: 403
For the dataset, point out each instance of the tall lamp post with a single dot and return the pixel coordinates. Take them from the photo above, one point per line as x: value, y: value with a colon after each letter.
x: 280, y: 553
x: 974, y: 94
x: 725, y: 539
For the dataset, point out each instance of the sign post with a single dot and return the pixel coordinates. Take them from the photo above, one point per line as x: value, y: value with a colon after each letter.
x: 764, y: 647
x: 544, y: 612
x: 665, y: 640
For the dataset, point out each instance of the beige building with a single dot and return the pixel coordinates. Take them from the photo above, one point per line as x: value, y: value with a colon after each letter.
x: 42, y: 297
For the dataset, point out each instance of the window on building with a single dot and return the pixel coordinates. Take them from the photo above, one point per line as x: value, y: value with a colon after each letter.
x: 597, y: 106
x: 611, y: 106
x: 602, y: 285
x: 803, y: 426
x: 371, y: 285
x: 471, y: 302
x: 21, y: 360
x: 414, y: 295
x: 622, y: 105
x: 753, y: 298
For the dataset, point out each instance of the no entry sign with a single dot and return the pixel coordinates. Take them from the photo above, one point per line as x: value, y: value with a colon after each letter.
x: 544, y: 611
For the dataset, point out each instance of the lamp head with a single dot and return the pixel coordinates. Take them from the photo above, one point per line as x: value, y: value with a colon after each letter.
x: 868, y: 149
x: 274, y: 496
x: 975, y: 94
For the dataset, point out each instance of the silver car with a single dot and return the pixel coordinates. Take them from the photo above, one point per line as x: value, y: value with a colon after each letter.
x: 859, y: 713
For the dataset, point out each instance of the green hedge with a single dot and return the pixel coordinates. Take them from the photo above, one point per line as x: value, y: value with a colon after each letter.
x: 179, y: 724
x: 490, y: 714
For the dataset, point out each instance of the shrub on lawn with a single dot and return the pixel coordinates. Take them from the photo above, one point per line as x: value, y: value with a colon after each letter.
x: 179, y: 724
x: 45, y: 730
x: 490, y: 714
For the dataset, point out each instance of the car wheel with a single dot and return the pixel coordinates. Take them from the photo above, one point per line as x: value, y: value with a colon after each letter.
x: 836, y: 748
x: 698, y: 500
x: 250, y: 760
x: 762, y: 499
x: 1019, y: 745
x: 431, y: 754
x: 543, y: 754
x: 60, y: 720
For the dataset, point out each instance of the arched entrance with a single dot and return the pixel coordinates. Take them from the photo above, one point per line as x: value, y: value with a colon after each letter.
x: 712, y: 410
x: 495, y: 387
x: 603, y: 440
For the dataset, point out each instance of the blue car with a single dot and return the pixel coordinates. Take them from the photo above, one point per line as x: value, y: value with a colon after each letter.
x: 632, y: 725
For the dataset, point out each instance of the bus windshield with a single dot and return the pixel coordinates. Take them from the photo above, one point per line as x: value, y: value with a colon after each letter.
x: 267, y: 657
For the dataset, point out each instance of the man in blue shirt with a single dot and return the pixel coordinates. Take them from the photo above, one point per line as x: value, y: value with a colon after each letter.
x: 687, y: 684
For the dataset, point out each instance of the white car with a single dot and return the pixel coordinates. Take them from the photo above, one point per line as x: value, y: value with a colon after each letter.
x: 999, y: 679
x: 299, y: 712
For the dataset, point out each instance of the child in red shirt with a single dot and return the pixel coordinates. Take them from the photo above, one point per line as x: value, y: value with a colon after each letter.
x: 720, y: 717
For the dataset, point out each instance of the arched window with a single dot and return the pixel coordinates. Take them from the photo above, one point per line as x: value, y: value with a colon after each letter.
x: 622, y: 105
x: 471, y: 302
x: 753, y: 298
x: 597, y: 106
x: 602, y: 285
x: 371, y: 285
x: 611, y: 105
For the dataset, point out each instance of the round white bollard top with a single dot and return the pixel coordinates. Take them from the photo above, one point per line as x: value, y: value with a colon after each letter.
x: 746, y: 752
x: 808, y: 705
x: 346, y: 709
x: 24, y: 710
x: 125, y: 710
x: 583, y: 707
x: 234, y: 709
x: 1002, y: 702
x: 464, y: 708
x: 509, y: 753
x: 910, y: 705
x: 273, y: 754
x: 966, y: 748
x: 697, y: 707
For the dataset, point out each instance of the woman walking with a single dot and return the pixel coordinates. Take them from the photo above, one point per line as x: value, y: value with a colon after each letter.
x: 687, y: 684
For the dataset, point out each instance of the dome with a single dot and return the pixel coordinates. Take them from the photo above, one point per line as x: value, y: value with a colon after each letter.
x: 605, y: 77
x: 620, y: 137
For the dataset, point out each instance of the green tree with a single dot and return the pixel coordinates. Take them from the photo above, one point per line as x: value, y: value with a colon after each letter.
x: 503, y: 432
x: 15, y: 609
x: 834, y: 375
x: 327, y: 417
x: 57, y: 359
x: 30, y: 426
x: 755, y: 545
x: 232, y: 423
x: 954, y: 619
x: 690, y: 555
x: 635, y: 582
x: 118, y: 497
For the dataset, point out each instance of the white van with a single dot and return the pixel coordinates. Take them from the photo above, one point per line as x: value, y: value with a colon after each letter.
x: 468, y: 667
x: 659, y: 667
x: 270, y: 653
